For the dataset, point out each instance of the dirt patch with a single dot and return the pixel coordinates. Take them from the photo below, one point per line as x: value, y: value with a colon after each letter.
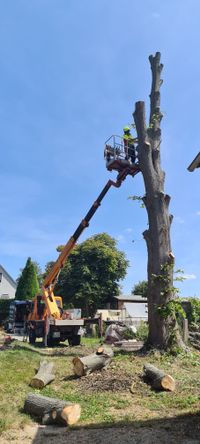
x: 105, y: 380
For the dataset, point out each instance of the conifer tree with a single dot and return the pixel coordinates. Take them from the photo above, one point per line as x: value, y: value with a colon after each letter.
x: 28, y: 285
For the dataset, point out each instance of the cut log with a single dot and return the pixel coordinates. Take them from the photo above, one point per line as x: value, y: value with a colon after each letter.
x: 158, y: 379
x: 195, y: 342
x: 95, y: 361
x: 194, y: 334
x: 52, y: 410
x: 44, y: 375
x: 100, y: 350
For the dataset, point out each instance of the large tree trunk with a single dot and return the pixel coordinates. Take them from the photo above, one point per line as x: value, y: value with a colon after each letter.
x: 52, y: 410
x: 162, y: 322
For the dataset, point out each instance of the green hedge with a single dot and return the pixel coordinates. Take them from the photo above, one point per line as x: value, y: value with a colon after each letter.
x: 191, y: 307
x: 4, y: 309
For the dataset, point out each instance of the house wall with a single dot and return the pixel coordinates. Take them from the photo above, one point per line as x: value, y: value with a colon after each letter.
x: 136, y: 310
x: 7, y: 290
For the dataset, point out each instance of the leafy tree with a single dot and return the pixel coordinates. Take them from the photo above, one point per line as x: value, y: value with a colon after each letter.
x: 48, y: 268
x: 92, y: 274
x: 141, y: 288
x: 194, y: 313
x: 28, y: 285
x: 38, y: 273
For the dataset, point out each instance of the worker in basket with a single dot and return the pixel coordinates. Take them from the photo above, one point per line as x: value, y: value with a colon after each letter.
x: 129, y: 144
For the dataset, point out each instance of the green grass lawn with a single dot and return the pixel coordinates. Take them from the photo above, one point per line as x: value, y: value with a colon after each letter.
x: 18, y: 365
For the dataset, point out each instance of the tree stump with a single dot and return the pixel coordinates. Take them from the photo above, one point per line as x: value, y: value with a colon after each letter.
x: 101, y: 358
x: 52, y: 410
x: 158, y: 379
x: 44, y: 375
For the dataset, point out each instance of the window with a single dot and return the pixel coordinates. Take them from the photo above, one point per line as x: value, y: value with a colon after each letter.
x: 1, y: 277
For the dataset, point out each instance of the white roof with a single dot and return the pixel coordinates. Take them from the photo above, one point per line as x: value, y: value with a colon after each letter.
x: 8, y: 277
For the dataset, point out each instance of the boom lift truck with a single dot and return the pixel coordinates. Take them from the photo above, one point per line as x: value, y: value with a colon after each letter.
x: 46, y: 318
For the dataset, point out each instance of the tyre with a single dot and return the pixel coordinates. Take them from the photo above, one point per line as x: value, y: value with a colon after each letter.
x: 74, y: 340
x: 32, y: 336
x: 52, y: 342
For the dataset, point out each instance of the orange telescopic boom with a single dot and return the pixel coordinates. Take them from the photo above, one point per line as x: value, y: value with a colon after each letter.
x: 52, y: 277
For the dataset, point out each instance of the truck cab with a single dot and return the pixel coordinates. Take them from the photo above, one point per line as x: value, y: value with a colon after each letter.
x: 42, y: 324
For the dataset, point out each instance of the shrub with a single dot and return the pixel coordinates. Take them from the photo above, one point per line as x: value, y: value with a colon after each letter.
x: 191, y: 307
x: 142, y: 331
x: 4, y: 309
x: 128, y: 334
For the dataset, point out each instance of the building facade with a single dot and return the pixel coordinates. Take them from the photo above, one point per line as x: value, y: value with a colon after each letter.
x: 7, y: 285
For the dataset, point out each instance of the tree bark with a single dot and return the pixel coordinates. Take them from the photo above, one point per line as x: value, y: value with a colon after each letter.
x: 44, y: 375
x: 52, y: 410
x: 159, y: 380
x: 95, y: 361
x: 162, y: 329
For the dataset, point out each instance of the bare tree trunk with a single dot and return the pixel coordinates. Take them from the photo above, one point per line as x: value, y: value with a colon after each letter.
x: 162, y: 321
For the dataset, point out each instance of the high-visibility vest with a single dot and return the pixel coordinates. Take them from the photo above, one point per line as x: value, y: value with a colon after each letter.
x: 129, y: 137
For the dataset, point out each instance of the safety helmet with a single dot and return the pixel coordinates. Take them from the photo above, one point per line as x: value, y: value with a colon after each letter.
x: 126, y: 129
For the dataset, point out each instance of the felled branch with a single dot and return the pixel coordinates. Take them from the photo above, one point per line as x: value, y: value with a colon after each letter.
x: 95, y: 361
x: 44, y: 375
x: 158, y: 379
x: 52, y: 410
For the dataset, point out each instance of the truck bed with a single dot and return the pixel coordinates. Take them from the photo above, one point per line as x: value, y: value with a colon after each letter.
x: 66, y: 322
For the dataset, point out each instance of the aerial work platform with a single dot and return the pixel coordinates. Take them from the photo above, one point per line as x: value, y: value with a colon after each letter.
x: 116, y: 157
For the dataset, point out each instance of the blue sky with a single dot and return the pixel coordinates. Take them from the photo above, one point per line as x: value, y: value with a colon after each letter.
x: 71, y: 72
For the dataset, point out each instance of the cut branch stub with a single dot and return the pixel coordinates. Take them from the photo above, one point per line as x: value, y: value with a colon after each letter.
x: 158, y: 379
x: 140, y: 123
x: 156, y: 68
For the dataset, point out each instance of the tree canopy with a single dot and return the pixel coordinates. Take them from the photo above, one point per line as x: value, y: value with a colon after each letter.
x: 28, y: 285
x: 141, y: 288
x: 92, y: 274
x: 39, y: 272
